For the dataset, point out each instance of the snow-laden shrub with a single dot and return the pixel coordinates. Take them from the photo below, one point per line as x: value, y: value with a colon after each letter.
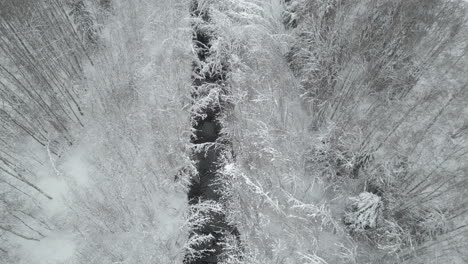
x: 84, y: 21
x: 206, y: 105
x: 289, y: 16
x: 329, y: 161
x: 363, y: 212
x: 434, y: 224
x: 201, y: 216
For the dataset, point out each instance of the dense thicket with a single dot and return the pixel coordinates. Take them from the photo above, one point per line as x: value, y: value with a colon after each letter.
x: 41, y: 59
x: 385, y: 78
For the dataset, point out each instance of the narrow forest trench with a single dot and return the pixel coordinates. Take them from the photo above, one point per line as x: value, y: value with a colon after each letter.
x: 209, y: 144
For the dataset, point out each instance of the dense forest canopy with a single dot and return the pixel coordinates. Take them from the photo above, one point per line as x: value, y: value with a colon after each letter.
x: 235, y: 131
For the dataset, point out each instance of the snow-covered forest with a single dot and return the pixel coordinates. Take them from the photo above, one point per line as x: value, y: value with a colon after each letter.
x: 233, y: 131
